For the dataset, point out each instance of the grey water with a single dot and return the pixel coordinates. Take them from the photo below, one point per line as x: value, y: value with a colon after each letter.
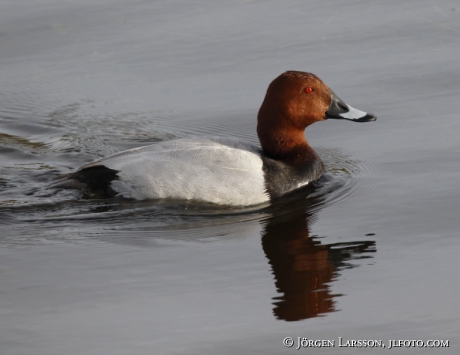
x: 371, y: 253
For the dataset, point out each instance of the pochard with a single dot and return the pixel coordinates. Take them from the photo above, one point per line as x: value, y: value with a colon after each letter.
x: 228, y: 171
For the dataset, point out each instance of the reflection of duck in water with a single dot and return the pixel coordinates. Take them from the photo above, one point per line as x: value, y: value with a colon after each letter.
x: 303, y: 267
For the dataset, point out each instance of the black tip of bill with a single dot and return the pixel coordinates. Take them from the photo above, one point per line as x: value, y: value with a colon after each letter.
x: 368, y: 118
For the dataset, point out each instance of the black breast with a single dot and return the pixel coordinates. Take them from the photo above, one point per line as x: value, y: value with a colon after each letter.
x: 282, y: 178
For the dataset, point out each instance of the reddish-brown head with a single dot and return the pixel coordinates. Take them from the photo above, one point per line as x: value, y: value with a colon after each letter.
x: 294, y: 99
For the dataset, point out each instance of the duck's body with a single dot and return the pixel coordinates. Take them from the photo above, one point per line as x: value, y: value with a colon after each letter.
x: 227, y: 171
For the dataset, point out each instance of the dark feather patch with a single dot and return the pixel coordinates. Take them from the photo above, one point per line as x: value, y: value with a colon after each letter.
x: 281, y: 179
x: 94, y: 180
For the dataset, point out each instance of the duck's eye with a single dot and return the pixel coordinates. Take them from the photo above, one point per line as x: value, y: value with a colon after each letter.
x: 308, y: 90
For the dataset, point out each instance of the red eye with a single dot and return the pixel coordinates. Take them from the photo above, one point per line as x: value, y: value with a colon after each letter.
x: 308, y: 90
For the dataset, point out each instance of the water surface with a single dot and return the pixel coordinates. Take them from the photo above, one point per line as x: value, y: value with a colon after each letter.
x: 369, y: 253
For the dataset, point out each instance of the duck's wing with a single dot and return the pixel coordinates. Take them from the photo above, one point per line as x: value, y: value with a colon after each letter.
x: 220, y: 170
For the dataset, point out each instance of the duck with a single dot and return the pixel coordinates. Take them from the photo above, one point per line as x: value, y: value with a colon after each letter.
x: 226, y: 170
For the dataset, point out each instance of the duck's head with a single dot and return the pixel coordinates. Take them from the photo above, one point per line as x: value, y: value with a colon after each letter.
x: 293, y: 101
x: 299, y: 99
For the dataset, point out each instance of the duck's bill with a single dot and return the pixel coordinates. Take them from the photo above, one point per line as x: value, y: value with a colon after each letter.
x: 339, y: 110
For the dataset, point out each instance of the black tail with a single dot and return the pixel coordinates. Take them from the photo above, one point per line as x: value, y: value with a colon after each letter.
x: 94, y: 180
